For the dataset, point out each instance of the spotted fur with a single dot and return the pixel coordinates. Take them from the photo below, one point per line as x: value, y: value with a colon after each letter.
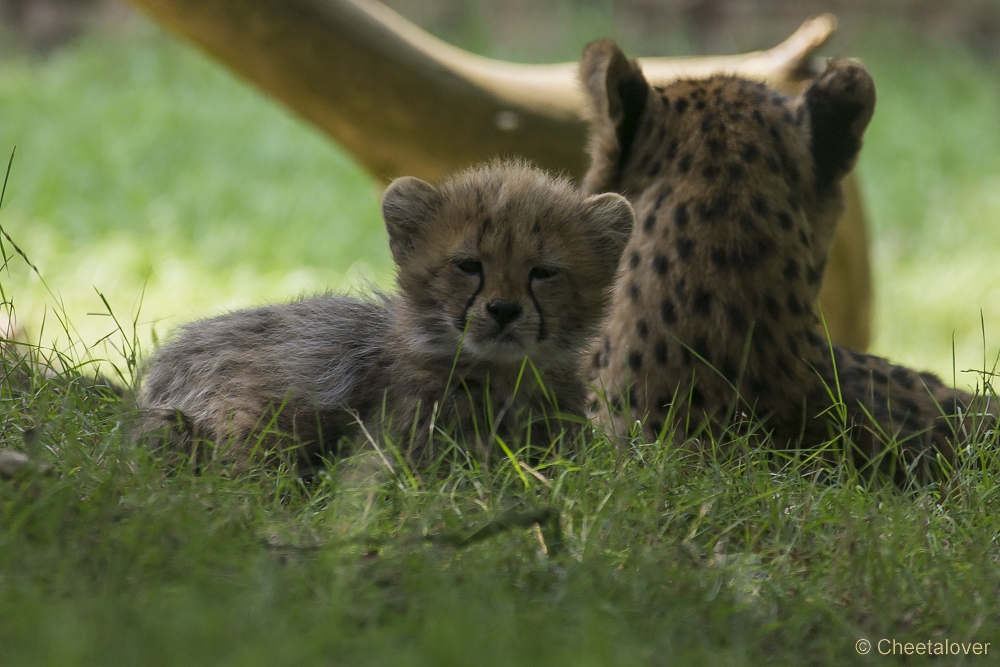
x: 737, y: 190
x: 495, y: 266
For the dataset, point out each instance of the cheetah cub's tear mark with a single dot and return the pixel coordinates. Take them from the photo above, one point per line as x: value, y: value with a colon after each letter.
x: 737, y: 191
x: 494, y: 266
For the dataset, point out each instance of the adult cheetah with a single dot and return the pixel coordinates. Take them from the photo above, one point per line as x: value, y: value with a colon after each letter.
x: 737, y: 190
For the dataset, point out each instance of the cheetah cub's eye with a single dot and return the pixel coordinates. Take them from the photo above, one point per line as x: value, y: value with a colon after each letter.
x: 543, y: 273
x: 470, y: 267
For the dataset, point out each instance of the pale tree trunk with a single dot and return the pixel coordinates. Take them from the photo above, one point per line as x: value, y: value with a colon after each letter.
x: 403, y: 102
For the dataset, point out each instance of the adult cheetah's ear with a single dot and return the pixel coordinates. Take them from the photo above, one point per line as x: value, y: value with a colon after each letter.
x: 612, y: 219
x: 407, y: 204
x: 840, y: 103
x: 618, y: 92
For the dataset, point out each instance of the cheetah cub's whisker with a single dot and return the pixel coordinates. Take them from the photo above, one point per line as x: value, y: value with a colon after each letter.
x: 503, y: 272
x: 737, y: 191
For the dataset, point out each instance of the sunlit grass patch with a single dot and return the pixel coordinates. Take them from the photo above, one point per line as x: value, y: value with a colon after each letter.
x: 931, y: 175
x: 126, y: 178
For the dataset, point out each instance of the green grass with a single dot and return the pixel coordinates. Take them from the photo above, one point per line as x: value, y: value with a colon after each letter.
x: 110, y: 557
x: 141, y: 164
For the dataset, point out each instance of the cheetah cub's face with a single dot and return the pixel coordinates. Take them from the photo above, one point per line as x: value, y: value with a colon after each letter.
x: 504, y: 262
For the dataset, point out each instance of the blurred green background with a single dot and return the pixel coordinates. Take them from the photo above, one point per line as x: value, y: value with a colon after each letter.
x: 147, y: 172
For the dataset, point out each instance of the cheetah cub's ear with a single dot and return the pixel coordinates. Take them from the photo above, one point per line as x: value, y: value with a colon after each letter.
x: 612, y: 218
x: 840, y: 103
x: 407, y: 206
x: 618, y: 93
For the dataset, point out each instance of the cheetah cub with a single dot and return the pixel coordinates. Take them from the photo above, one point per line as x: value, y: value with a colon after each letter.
x: 503, y: 274
x: 737, y: 191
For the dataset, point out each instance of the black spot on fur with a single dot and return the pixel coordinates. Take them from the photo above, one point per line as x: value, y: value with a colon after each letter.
x: 672, y: 150
x: 759, y: 206
x: 667, y: 312
x: 737, y: 318
x: 812, y: 275
x: 793, y: 346
x: 803, y: 238
x: 737, y: 172
x: 792, y: 176
x: 666, y: 192
x: 681, y: 215
x: 908, y: 404
x: 702, y: 303
x: 879, y: 377
x: 710, y: 172
x: 773, y: 309
x: 684, y: 247
x: 747, y: 223
x: 719, y: 258
x: 680, y: 105
x: 750, y: 152
x: 715, y: 147
x: 903, y: 376
x: 729, y: 370
x: 633, y: 260
x: 660, y: 264
x: 686, y: 356
x: 784, y: 220
x: 943, y: 429
x: 794, y: 305
x: 633, y: 291
x: 879, y: 399
x: 697, y: 398
x: 650, y: 223
x: 642, y: 329
x: 771, y: 164
x: 701, y: 347
x: 712, y: 211
x: 635, y: 361
x: 653, y: 170
x: 758, y: 117
x: 660, y: 352
x: 656, y: 428
x: 699, y: 105
x: 685, y: 163
x: 791, y: 270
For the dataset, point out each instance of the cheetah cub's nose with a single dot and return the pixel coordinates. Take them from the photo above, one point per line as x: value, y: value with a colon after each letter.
x: 504, y: 312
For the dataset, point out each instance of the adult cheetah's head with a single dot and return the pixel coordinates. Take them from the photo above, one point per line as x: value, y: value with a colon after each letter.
x: 734, y: 148
x: 505, y: 259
